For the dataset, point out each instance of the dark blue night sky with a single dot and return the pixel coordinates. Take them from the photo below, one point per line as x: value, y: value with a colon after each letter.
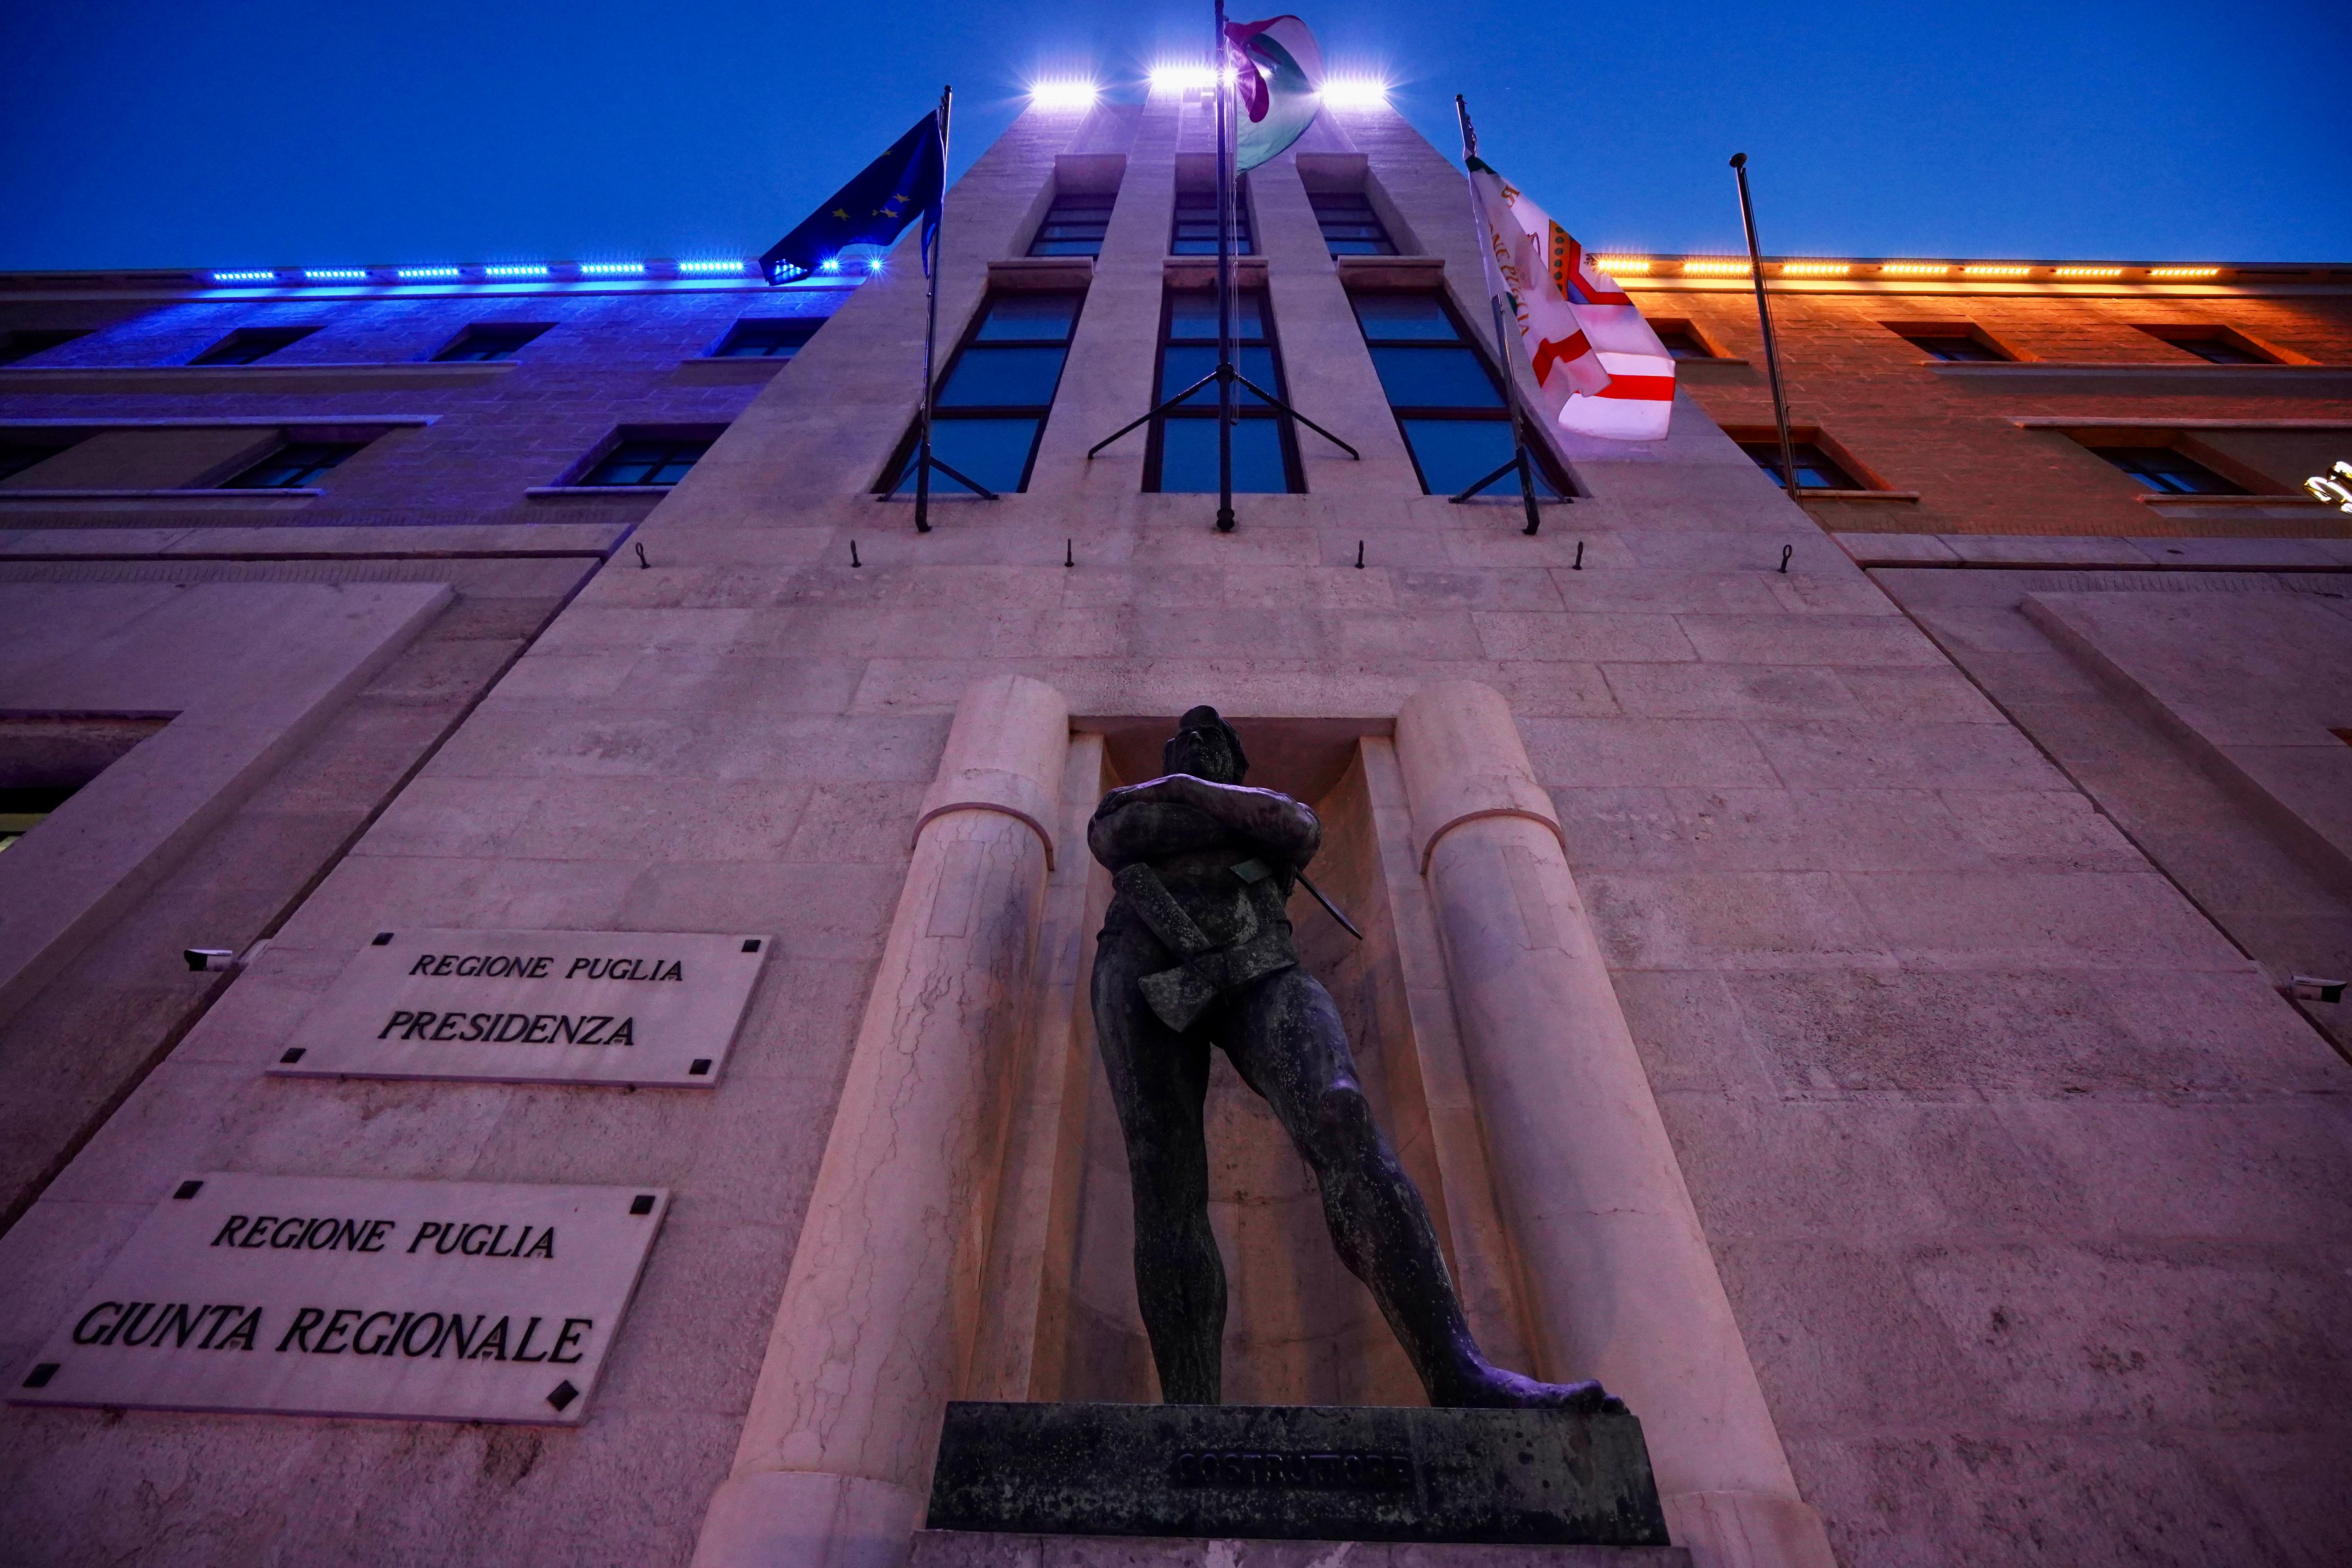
x: 265, y: 132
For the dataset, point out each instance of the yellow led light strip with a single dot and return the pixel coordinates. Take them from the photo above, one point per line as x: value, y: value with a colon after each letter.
x: 1714, y: 269
x: 1995, y: 271
x: 1623, y: 266
x: 1815, y: 268
x: 2088, y: 272
x: 1916, y: 268
x: 2184, y: 272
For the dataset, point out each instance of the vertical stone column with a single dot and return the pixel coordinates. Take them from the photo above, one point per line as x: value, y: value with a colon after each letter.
x: 1620, y: 1283
x: 879, y: 1306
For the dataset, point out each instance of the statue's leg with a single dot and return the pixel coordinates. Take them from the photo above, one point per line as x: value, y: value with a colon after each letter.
x: 1159, y: 1081
x: 1287, y: 1041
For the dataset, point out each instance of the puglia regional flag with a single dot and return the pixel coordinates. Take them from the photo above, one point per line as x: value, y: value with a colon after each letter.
x: 1601, y: 368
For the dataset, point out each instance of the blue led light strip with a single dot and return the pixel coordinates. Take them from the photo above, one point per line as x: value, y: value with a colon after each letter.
x: 510, y: 272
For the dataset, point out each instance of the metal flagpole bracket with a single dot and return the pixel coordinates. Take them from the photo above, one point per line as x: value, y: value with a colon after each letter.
x: 1508, y: 366
x: 1764, y: 316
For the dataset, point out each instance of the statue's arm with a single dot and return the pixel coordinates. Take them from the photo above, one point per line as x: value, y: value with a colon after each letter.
x: 1280, y: 824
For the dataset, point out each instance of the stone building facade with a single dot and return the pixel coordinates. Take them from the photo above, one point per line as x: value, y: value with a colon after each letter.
x: 1826, y: 971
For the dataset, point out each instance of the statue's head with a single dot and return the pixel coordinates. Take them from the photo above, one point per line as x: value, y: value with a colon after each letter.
x: 1206, y: 746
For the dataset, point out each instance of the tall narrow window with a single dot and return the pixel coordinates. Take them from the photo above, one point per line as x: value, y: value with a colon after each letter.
x: 1181, y: 454
x: 991, y: 405
x: 1447, y: 400
x: 1195, y: 232
x: 2167, y: 472
x: 1074, y: 226
x: 249, y: 345
x: 1350, y: 226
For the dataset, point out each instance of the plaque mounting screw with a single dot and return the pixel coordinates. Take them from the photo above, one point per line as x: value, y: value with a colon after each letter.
x: 564, y: 1395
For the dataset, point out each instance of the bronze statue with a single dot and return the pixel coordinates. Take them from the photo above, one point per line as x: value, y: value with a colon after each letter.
x: 1196, y: 952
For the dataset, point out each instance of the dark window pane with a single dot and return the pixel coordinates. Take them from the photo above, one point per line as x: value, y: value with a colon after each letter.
x: 2219, y: 351
x: 1455, y: 454
x: 249, y: 345
x: 1193, y: 314
x: 15, y: 457
x: 1182, y: 364
x: 652, y: 461
x: 992, y: 452
x: 1188, y: 456
x: 297, y: 465
x: 481, y: 344
x: 773, y: 339
x: 1682, y: 344
x: 1195, y: 232
x: 1002, y: 378
x: 1350, y: 226
x: 1046, y: 318
x: 1411, y: 318
x: 1816, y: 470
x: 1436, y: 378
x: 1957, y: 349
x: 1073, y: 226
x: 17, y: 346
x: 2171, y: 472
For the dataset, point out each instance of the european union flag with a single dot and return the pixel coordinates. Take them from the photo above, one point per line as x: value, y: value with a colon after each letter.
x: 873, y: 209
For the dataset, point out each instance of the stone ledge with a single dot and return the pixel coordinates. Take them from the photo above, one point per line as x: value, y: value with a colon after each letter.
x: 261, y: 377
x: 270, y: 499
x: 2074, y: 551
x: 981, y: 1549
x: 538, y: 492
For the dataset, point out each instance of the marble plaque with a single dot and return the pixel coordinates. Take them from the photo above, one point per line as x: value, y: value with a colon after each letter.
x: 649, y: 1008
x: 442, y: 1301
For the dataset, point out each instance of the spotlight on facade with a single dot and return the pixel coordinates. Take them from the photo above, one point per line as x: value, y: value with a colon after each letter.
x: 1064, y: 94
x: 1355, y: 92
x: 1180, y: 79
x: 244, y: 278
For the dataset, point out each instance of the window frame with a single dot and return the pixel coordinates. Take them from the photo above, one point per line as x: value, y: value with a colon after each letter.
x: 894, y: 473
x: 522, y: 333
x: 1245, y: 222
x: 2246, y: 352
x: 1107, y: 201
x: 1203, y: 406
x: 1866, y: 480
x: 23, y: 343
x: 305, y: 478
x: 743, y: 324
x: 1711, y: 350
x: 1549, y: 468
x: 1996, y: 351
x: 220, y: 352
x: 1385, y: 242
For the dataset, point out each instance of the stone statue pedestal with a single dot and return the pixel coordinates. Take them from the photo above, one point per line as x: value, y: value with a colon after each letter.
x: 1261, y: 1473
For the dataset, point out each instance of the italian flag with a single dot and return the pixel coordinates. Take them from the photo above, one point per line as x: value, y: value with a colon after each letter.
x: 1601, y: 369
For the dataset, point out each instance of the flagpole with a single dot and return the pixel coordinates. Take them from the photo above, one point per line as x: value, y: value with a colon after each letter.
x: 1224, y: 284
x: 931, y: 323
x: 1764, y: 315
x: 1505, y: 362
